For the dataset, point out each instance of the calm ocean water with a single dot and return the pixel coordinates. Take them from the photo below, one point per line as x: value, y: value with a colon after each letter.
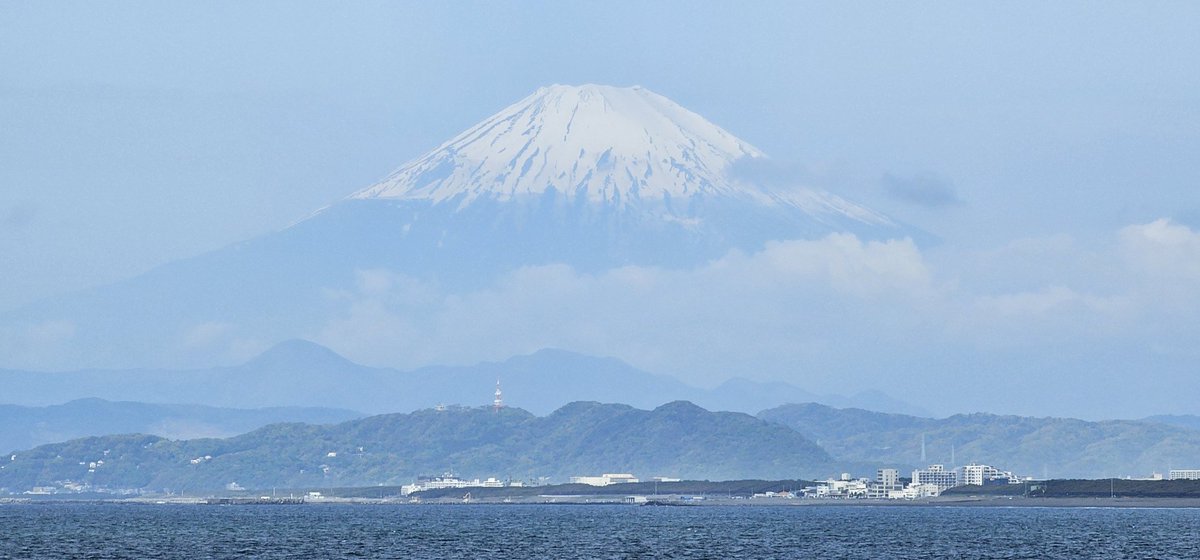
x: 553, y: 531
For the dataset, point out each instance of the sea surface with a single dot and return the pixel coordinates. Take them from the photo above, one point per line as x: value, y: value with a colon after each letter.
x: 583, y: 531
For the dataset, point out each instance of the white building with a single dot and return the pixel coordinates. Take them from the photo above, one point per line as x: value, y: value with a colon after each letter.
x: 979, y: 475
x: 917, y: 491
x: 451, y: 481
x: 1183, y: 474
x: 886, y: 485
x: 770, y: 494
x: 887, y: 477
x: 604, y: 479
x: 845, y: 487
x: 936, y: 475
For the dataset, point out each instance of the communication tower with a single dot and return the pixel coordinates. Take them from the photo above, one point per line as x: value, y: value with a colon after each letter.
x: 498, y: 402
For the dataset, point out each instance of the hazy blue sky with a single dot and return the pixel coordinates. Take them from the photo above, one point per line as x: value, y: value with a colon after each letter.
x: 1052, y: 146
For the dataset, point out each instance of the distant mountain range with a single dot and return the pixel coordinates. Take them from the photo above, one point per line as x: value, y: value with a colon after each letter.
x: 1039, y: 447
x: 26, y: 427
x: 1190, y: 421
x: 677, y: 439
x: 300, y: 373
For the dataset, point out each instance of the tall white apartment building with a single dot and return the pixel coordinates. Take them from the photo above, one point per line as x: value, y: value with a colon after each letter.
x: 888, y: 478
x: 978, y: 475
x: 937, y: 475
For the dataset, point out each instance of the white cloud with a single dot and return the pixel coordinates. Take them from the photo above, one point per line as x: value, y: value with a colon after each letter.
x: 1029, y: 303
x: 51, y: 333
x: 227, y: 343
x: 836, y: 314
x: 398, y: 288
x: 782, y: 301
x: 1052, y: 299
x: 205, y: 334
x: 847, y: 265
x: 33, y: 342
x: 387, y: 316
x: 1162, y: 250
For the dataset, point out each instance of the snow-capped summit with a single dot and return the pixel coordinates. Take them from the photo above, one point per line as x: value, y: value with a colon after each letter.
x: 606, y: 144
x: 610, y: 146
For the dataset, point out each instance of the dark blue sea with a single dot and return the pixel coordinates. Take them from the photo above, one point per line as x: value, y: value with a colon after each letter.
x: 582, y: 531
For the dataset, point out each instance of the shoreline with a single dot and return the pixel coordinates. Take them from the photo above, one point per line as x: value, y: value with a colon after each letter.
x: 667, y: 501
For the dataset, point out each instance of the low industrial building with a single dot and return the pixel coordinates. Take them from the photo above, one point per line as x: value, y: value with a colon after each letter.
x: 451, y: 481
x: 604, y: 479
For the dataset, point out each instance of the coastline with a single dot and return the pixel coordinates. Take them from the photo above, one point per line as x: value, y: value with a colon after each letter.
x: 670, y: 501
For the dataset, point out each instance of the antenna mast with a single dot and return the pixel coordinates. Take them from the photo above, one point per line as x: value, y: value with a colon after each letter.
x: 498, y: 402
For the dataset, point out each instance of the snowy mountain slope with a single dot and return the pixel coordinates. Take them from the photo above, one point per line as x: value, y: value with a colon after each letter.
x: 591, y: 176
x: 604, y: 144
x: 600, y: 145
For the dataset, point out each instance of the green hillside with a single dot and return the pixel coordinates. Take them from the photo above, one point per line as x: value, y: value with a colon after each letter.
x: 677, y: 439
x: 1040, y: 447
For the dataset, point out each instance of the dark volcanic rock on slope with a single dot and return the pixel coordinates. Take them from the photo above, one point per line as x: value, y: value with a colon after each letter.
x: 678, y: 439
x: 1050, y: 447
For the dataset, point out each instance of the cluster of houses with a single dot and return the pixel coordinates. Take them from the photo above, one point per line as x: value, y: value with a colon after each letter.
x: 448, y: 480
x: 928, y: 482
x: 924, y: 483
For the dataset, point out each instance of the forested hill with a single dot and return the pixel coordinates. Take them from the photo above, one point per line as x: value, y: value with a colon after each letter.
x: 678, y: 439
x: 1028, y: 446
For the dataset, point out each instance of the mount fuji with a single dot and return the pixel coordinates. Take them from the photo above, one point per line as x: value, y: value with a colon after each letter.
x: 593, y: 177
